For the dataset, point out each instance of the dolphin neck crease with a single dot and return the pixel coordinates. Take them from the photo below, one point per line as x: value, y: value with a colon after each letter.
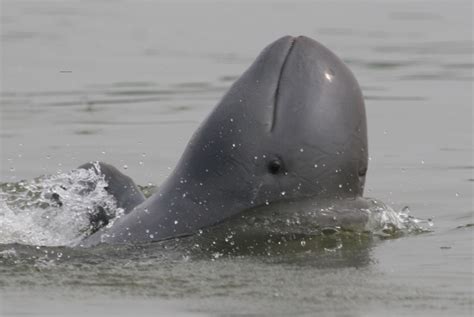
x: 277, y: 90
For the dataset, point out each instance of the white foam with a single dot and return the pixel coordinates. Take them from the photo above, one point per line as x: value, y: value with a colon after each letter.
x: 53, y: 210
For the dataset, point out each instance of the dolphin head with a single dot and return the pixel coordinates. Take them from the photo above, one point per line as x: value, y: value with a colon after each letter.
x: 292, y: 126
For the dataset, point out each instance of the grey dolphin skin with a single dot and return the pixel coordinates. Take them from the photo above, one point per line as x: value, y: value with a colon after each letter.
x: 292, y: 127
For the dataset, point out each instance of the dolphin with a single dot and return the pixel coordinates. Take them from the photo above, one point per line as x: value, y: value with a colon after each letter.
x: 291, y: 128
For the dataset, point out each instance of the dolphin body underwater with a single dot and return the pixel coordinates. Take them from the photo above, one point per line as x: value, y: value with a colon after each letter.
x: 291, y: 131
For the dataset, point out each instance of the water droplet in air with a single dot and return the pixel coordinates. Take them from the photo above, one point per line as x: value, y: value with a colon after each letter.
x: 315, y: 165
x: 457, y: 194
x: 176, y: 222
x: 283, y: 193
x: 301, y: 150
x: 125, y: 167
x: 303, y: 243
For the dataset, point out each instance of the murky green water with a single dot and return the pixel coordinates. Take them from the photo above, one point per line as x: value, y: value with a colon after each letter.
x: 128, y: 82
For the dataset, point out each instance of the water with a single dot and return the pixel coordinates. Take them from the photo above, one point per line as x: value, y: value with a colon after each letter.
x: 55, y: 210
x: 128, y: 82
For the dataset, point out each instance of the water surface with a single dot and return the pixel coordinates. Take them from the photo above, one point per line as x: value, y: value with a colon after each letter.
x: 128, y: 83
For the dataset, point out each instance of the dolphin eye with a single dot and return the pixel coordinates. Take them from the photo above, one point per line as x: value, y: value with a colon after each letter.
x: 274, y: 167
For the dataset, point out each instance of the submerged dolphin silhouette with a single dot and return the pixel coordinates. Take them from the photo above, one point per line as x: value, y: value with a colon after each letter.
x: 292, y: 127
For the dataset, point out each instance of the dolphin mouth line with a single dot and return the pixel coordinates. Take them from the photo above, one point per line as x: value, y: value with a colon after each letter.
x: 277, y: 90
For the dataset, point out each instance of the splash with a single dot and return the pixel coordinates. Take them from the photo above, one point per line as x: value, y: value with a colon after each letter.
x: 385, y: 222
x: 56, y: 210
x: 322, y: 226
x: 359, y: 215
x: 63, y: 209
